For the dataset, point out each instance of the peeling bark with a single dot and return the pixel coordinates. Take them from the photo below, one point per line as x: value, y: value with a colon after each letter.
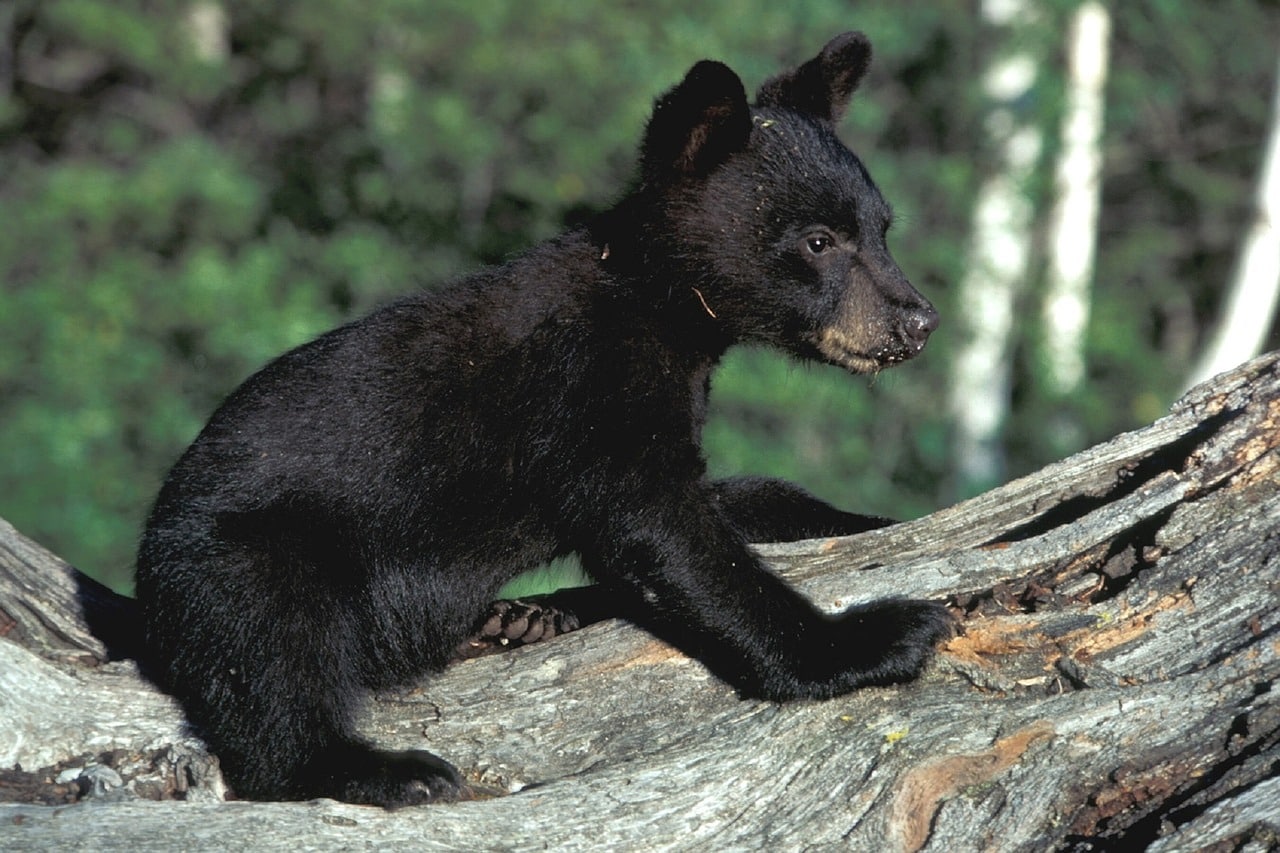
x: 1115, y: 680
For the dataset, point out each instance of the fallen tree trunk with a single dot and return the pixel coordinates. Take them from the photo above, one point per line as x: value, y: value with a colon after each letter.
x: 1115, y: 677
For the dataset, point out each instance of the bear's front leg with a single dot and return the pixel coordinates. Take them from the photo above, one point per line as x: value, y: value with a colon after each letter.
x: 764, y: 509
x: 684, y: 573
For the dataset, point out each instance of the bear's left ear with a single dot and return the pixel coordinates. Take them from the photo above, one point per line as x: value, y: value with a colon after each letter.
x: 697, y: 125
x: 822, y: 86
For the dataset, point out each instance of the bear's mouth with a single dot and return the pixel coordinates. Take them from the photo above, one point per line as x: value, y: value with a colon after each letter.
x: 842, y: 350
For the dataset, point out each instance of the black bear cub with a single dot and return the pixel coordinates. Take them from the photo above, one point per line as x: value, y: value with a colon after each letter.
x: 348, y: 514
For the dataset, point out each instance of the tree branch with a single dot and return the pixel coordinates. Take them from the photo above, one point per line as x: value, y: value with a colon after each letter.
x: 1115, y: 677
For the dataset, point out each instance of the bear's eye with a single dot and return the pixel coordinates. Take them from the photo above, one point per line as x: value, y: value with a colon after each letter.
x: 817, y: 243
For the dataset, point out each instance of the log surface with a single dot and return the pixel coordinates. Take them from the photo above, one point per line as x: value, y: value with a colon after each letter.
x: 1115, y: 679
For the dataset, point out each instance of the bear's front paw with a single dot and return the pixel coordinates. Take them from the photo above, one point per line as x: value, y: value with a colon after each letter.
x: 892, y: 640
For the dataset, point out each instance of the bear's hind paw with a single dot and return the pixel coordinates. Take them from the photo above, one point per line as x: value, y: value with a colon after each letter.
x: 509, y: 624
x: 396, y: 779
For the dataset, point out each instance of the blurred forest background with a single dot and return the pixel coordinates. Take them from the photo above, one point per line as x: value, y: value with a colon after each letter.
x: 190, y: 187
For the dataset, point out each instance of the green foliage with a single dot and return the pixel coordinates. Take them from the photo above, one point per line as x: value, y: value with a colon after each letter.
x: 182, y: 202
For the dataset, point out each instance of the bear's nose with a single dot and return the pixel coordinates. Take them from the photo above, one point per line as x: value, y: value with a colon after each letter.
x: 919, y: 324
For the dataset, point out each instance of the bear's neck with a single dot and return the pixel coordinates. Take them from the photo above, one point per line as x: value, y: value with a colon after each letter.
x: 646, y: 278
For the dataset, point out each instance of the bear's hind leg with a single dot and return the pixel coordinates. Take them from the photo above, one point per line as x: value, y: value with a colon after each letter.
x: 285, y: 732
x: 292, y: 738
x: 270, y: 663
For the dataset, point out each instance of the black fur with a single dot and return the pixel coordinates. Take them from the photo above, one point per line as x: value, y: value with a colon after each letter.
x: 349, y: 512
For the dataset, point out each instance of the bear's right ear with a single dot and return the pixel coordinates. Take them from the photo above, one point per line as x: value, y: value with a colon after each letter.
x: 697, y: 125
x: 822, y: 86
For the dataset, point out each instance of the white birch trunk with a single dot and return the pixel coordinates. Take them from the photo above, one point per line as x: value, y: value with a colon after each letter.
x: 208, y: 29
x: 1251, y: 300
x: 1078, y: 186
x: 998, y: 258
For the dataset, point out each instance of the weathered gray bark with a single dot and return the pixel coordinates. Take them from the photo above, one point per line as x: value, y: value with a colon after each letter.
x: 1116, y: 677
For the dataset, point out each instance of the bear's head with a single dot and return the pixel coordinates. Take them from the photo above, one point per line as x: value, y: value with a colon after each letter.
x: 776, y: 224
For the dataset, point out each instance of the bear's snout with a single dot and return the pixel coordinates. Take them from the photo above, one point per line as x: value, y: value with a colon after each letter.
x: 918, y: 325
x: 909, y: 334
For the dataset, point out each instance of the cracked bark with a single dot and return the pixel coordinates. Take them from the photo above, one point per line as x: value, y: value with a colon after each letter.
x: 1115, y: 679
